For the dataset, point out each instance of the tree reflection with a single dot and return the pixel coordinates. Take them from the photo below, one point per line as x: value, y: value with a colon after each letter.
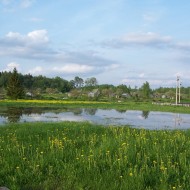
x: 13, y: 114
x: 76, y: 111
x: 90, y: 111
x: 145, y: 114
x: 121, y: 110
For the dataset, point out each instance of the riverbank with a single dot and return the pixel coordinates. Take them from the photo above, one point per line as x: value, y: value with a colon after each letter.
x: 127, y: 105
x: 72, y: 155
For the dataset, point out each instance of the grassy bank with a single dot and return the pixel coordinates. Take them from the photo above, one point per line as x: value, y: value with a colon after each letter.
x: 83, y: 156
x: 145, y: 106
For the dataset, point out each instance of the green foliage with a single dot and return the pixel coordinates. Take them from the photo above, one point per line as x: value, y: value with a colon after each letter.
x: 27, y: 81
x: 4, y: 78
x: 34, y: 83
x: 91, y: 81
x: 83, y: 156
x: 124, y: 88
x: 146, y: 90
x: 78, y: 82
x: 14, y: 87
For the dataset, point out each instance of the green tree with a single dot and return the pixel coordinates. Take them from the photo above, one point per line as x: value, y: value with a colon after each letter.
x: 123, y: 88
x: 4, y: 77
x: 14, y: 87
x: 28, y: 81
x: 146, y: 90
x: 78, y: 82
x: 60, y: 84
x: 91, y: 81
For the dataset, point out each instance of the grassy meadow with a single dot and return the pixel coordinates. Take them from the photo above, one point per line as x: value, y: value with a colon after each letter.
x: 128, y: 105
x: 76, y: 156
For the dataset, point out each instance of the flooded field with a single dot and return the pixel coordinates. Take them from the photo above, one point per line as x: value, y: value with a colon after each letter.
x: 136, y: 119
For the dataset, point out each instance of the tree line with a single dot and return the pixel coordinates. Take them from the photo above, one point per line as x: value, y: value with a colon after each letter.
x: 16, y: 85
x: 30, y: 82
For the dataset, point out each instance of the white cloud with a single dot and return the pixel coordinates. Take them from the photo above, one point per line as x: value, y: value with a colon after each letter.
x: 111, y: 67
x: 141, y: 75
x: 36, y: 71
x: 184, y: 77
x: 14, y: 35
x: 178, y: 74
x: 67, y: 69
x: 182, y: 46
x: 73, y: 68
x: 37, y: 37
x: 11, y: 66
x: 149, y: 39
x: 35, y: 44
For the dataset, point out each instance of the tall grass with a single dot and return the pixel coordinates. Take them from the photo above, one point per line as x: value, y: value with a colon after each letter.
x: 73, y: 155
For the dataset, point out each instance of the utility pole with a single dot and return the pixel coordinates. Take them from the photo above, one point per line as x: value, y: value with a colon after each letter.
x: 178, y: 90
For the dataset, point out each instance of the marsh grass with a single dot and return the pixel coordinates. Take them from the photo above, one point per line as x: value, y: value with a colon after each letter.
x: 72, y: 155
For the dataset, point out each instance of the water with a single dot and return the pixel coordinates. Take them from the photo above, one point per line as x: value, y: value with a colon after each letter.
x: 136, y: 119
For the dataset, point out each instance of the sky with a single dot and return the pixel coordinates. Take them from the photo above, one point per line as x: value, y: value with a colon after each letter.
x: 117, y: 41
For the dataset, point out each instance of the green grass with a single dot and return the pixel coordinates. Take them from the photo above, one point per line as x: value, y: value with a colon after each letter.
x: 75, y: 156
x: 128, y: 105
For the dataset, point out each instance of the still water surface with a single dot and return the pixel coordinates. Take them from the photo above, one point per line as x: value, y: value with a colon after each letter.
x: 136, y: 119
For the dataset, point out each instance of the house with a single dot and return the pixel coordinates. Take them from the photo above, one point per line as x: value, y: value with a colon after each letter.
x: 29, y: 94
x: 126, y: 95
x: 94, y: 93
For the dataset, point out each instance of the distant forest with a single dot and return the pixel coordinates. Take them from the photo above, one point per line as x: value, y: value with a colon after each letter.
x: 30, y: 82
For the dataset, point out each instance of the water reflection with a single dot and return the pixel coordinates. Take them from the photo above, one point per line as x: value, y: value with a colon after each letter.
x: 77, y: 111
x: 138, y: 119
x: 90, y: 111
x: 145, y: 114
x: 13, y: 114
x: 178, y: 120
x: 121, y: 110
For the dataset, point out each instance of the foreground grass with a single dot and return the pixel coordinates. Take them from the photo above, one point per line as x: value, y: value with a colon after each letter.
x: 128, y: 105
x: 73, y: 155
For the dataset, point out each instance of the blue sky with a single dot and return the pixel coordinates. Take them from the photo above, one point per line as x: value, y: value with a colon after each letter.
x: 117, y: 41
